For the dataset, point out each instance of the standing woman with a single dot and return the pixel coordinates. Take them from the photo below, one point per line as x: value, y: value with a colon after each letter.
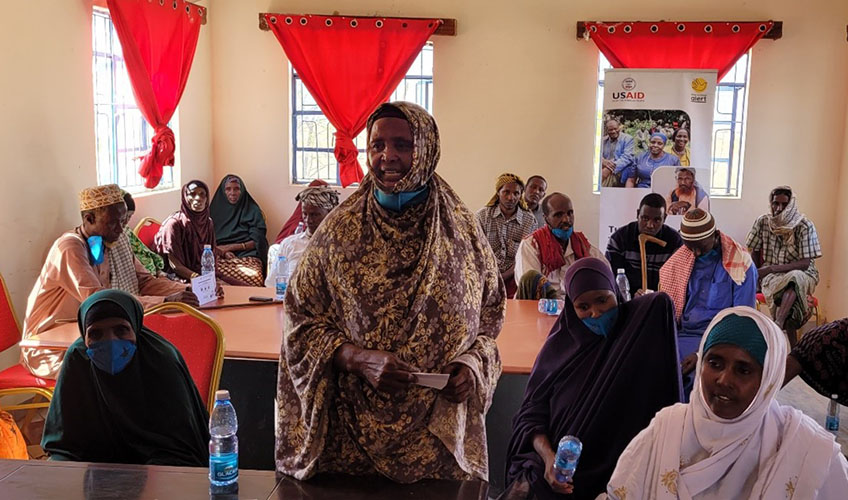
x: 182, y: 236
x: 639, y: 174
x: 239, y: 223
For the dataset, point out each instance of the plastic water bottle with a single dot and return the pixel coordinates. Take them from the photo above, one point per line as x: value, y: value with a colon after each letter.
x: 223, y: 442
x: 551, y: 307
x: 623, y: 285
x: 567, y: 455
x: 832, y: 420
x: 282, y: 279
x: 207, y: 261
x: 301, y: 227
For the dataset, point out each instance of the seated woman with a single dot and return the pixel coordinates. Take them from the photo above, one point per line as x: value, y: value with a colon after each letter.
x: 124, y: 394
x: 733, y: 440
x: 604, y: 371
x: 183, y: 234
x: 315, y: 203
x: 152, y: 261
x: 640, y: 171
x: 296, y: 220
x: 239, y: 226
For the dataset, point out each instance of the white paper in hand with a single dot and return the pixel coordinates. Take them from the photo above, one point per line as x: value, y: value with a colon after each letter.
x: 434, y: 380
x: 204, y: 287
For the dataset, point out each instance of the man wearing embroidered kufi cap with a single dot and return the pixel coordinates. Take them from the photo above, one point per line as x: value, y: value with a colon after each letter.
x: 709, y: 273
x: 78, y: 265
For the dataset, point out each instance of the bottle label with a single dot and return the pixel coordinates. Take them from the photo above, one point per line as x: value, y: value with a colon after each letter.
x: 281, y: 289
x: 223, y: 468
x: 832, y: 423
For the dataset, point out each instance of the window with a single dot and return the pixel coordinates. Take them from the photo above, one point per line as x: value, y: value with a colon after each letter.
x: 121, y: 133
x: 312, y: 133
x: 731, y: 109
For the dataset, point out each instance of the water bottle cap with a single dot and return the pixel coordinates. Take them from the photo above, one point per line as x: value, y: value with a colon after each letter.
x: 620, y: 271
x: 281, y: 258
x: 207, y: 246
x: 834, y: 396
x: 222, y: 395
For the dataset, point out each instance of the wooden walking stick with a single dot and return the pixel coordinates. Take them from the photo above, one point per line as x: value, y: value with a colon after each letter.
x: 643, y: 239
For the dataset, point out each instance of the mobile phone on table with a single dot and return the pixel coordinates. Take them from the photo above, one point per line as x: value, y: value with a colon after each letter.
x: 261, y: 299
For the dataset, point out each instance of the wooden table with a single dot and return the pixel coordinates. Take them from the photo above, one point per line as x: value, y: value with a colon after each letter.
x: 21, y: 479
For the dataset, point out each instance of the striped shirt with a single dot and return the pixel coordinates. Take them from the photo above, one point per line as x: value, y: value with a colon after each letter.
x: 623, y: 253
x: 505, y: 234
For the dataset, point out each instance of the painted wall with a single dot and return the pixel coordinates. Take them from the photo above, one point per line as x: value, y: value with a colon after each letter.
x: 47, y: 132
x: 514, y: 91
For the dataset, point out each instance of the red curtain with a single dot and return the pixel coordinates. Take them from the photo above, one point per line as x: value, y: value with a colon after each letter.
x: 350, y: 66
x: 684, y: 45
x: 158, y: 39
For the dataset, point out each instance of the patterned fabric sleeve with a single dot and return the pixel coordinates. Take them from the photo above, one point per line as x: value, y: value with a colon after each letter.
x: 754, y: 240
x: 808, y: 241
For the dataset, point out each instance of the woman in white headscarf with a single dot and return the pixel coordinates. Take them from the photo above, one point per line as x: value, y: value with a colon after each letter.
x: 733, y: 440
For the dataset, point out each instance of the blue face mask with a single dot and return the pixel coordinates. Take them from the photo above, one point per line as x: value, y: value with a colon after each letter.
x: 712, y: 253
x: 563, y: 234
x: 602, y: 325
x: 111, y: 356
x: 397, y: 202
x: 96, y: 249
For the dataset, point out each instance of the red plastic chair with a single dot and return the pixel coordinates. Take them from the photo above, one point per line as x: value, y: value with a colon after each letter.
x: 146, y: 230
x: 17, y: 379
x: 811, y: 299
x: 198, y: 338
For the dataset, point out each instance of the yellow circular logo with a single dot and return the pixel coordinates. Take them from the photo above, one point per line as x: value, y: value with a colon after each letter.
x: 699, y: 85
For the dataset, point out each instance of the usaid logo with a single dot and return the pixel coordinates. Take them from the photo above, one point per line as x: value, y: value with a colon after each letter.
x: 628, y: 96
x: 628, y: 83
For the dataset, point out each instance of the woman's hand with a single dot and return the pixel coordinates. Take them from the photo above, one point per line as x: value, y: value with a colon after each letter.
x: 460, y: 384
x: 382, y: 370
x: 229, y: 255
x: 219, y: 289
x: 550, y: 477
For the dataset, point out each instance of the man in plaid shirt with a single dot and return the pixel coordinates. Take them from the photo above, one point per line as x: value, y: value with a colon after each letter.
x: 784, y: 245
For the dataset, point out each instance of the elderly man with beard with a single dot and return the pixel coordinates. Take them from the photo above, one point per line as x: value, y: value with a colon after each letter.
x: 617, y: 153
x: 551, y: 249
x: 688, y: 194
x: 536, y: 187
x: 784, y: 245
x: 623, y: 247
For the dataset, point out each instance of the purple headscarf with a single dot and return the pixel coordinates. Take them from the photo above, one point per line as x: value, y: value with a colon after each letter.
x: 586, y: 274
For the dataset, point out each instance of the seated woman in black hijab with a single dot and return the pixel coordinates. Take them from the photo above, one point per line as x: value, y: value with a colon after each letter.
x: 124, y: 394
x: 603, y: 373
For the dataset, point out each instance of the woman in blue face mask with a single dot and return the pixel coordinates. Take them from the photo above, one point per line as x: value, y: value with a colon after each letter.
x: 603, y: 373
x: 124, y: 394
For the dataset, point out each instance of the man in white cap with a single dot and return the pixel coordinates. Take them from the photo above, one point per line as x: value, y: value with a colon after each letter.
x: 79, y: 264
x: 708, y: 274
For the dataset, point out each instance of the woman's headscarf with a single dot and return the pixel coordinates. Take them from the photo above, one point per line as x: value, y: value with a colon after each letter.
x: 239, y: 222
x: 380, y: 279
x: 290, y: 226
x: 661, y: 136
x: 502, y: 181
x: 184, y: 233
x: 587, y: 274
x: 766, y: 451
x: 148, y: 413
x: 784, y: 223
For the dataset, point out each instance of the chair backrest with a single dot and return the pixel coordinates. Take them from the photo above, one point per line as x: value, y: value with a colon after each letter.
x: 198, y: 338
x: 10, y: 327
x: 146, y: 230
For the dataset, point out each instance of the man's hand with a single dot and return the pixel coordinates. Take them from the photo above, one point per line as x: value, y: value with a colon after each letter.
x: 688, y: 364
x: 764, y: 271
x: 460, y: 384
x: 185, y: 297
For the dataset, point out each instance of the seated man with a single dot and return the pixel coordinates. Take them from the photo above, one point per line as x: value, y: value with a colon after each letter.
x: 505, y: 221
x: 125, y: 394
x: 533, y: 195
x: 551, y: 249
x: 709, y: 273
x: 623, y: 251
x: 617, y: 153
x: 316, y: 203
x: 784, y: 245
x: 688, y: 194
x: 82, y: 262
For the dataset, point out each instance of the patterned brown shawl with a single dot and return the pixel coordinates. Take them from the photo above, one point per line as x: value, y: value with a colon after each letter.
x: 422, y: 284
